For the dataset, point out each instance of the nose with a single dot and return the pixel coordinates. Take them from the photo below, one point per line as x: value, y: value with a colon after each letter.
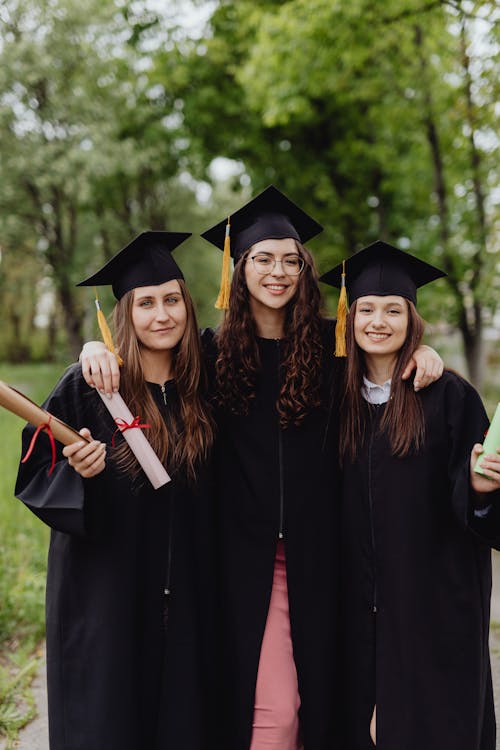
x: 162, y: 313
x: 278, y: 269
x: 378, y: 320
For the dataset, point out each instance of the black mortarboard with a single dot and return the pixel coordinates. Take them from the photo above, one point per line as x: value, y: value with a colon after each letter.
x: 379, y: 269
x: 270, y: 215
x: 146, y: 261
x: 382, y: 269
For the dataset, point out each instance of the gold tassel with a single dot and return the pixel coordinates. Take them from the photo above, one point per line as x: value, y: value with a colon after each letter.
x: 340, y: 328
x: 105, y: 332
x: 222, y: 302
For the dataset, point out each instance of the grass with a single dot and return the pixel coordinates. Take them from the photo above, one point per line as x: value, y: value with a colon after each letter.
x: 23, y: 552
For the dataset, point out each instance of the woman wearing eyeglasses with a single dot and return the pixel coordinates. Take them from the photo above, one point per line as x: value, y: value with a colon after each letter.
x: 273, y: 371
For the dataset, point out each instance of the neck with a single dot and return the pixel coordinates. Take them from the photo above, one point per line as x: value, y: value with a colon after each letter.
x: 379, y: 368
x: 270, y: 323
x: 157, y: 366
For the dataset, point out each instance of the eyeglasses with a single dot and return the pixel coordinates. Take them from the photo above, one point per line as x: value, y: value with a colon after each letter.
x: 291, y: 265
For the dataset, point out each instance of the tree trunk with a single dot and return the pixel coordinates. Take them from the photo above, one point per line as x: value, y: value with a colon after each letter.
x: 470, y: 317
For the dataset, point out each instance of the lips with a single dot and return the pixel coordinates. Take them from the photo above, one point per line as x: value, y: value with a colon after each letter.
x: 377, y: 336
x: 276, y: 287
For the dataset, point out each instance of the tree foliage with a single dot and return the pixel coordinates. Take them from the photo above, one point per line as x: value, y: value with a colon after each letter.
x: 379, y: 118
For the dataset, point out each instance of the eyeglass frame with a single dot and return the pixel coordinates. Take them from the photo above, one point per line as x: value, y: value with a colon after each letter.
x: 277, y: 260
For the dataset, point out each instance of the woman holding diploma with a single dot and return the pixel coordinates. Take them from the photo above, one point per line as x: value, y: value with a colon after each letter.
x: 130, y: 581
x: 417, y: 526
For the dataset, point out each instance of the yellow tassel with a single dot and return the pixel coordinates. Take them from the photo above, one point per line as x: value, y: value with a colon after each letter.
x: 105, y: 332
x: 340, y: 328
x: 222, y: 302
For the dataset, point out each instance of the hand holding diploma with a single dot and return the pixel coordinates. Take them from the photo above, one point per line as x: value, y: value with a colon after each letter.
x: 86, y: 458
x: 485, y: 459
x: 489, y: 478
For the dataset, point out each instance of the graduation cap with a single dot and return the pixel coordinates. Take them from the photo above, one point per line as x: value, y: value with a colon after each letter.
x: 379, y: 269
x: 146, y: 261
x: 270, y: 215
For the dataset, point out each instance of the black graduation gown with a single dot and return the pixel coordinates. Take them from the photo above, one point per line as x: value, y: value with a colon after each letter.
x: 270, y: 481
x: 127, y: 666
x: 413, y: 549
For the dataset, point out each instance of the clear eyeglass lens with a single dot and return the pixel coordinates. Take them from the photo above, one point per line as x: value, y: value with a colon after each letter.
x: 291, y: 264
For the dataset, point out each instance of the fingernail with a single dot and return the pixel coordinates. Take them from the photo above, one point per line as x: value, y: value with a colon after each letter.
x: 115, y: 390
x: 109, y: 395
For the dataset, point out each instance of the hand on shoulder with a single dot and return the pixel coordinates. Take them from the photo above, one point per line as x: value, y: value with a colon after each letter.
x: 100, y: 367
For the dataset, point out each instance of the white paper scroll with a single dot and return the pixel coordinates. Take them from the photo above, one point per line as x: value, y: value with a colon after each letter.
x: 137, y: 440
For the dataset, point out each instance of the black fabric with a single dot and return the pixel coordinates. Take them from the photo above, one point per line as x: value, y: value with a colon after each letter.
x: 251, y: 479
x: 270, y: 215
x: 382, y: 269
x: 126, y: 668
x: 146, y: 261
x: 413, y: 549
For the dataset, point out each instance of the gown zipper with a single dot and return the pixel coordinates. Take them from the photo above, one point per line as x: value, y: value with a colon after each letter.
x: 281, y: 533
x: 167, y: 590
x: 372, y: 523
x: 282, y: 499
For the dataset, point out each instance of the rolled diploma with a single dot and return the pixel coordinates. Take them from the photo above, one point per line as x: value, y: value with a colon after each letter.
x: 491, y: 441
x: 138, y: 442
x: 24, y: 407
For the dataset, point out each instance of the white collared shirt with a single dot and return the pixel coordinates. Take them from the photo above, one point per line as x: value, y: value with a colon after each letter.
x: 374, y: 393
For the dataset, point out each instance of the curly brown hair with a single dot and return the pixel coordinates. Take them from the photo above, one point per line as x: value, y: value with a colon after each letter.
x: 403, y: 419
x: 187, y: 440
x: 238, y: 360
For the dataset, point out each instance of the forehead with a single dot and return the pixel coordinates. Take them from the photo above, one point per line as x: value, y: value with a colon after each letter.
x: 376, y: 299
x: 158, y: 290
x: 286, y: 246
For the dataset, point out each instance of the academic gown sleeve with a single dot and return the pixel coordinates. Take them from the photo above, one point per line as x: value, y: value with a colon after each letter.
x: 467, y: 424
x: 59, y: 499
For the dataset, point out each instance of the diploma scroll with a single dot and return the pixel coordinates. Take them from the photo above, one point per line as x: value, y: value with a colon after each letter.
x: 19, y: 404
x: 138, y: 442
x: 491, y: 441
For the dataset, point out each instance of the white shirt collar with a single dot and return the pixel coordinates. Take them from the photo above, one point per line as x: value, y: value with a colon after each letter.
x: 374, y: 393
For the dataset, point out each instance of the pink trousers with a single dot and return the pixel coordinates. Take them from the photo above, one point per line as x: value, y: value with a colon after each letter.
x: 277, y: 701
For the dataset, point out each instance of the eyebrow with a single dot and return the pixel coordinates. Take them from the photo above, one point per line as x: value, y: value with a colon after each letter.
x: 143, y: 297
x: 272, y: 255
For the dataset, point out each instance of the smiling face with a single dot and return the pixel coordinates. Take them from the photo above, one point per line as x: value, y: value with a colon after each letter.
x: 159, y: 315
x: 274, y: 289
x: 381, y: 324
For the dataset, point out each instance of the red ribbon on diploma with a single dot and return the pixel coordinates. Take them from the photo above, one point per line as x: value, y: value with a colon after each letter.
x: 123, y: 425
x: 44, y: 426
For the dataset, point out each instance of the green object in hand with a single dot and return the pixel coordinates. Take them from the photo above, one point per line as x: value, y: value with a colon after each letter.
x: 491, y: 441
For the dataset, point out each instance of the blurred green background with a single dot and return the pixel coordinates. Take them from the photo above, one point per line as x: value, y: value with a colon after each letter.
x: 380, y: 119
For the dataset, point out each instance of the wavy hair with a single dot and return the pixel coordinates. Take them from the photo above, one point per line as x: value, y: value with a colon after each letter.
x: 403, y: 418
x: 238, y: 361
x: 187, y: 439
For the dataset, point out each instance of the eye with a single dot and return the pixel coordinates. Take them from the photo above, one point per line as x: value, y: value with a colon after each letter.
x: 262, y: 260
x: 364, y: 309
x: 395, y: 311
x: 171, y: 300
x: 145, y: 303
x: 292, y: 261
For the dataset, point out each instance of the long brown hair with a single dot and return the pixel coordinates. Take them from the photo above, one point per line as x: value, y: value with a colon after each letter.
x: 189, y: 436
x: 403, y: 419
x: 238, y: 361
